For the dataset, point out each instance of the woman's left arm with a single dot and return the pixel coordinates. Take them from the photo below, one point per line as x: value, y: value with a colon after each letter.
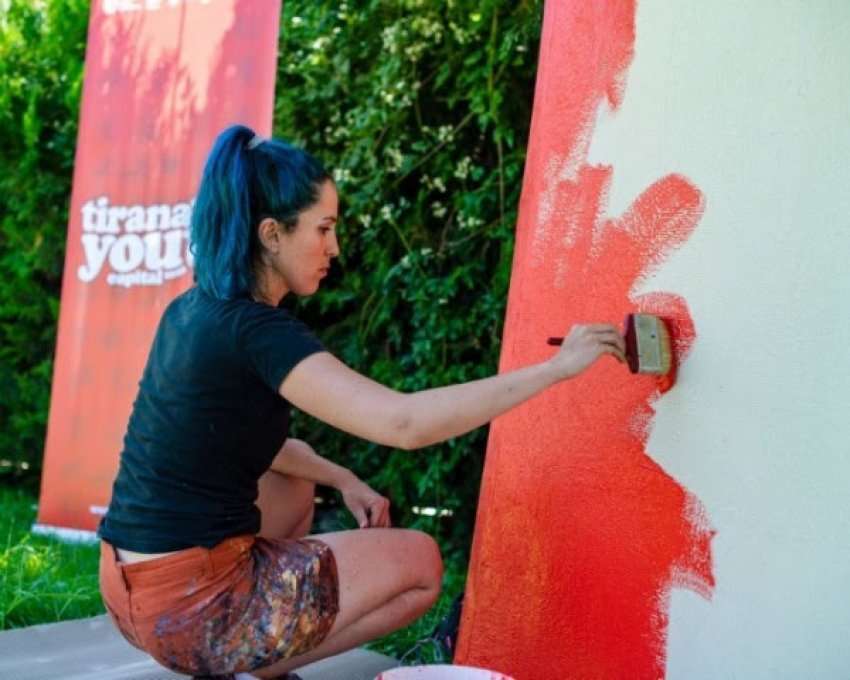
x: 298, y: 459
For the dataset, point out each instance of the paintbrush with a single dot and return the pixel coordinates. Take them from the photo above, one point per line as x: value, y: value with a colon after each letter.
x: 648, y: 347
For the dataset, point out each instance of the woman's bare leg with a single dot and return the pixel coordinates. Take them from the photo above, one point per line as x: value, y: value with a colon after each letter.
x: 286, y: 504
x: 387, y: 578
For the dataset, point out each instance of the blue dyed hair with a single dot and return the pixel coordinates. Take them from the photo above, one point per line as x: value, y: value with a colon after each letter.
x: 240, y: 187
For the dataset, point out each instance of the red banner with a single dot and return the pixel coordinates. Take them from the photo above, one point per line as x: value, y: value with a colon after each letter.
x: 162, y: 79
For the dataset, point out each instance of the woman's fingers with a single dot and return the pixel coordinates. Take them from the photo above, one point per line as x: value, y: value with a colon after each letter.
x: 379, y: 515
x: 610, y: 334
x: 614, y: 350
x: 585, y: 343
x: 385, y: 513
x: 613, y: 343
x: 607, y: 337
x: 596, y: 327
x: 374, y: 515
x: 370, y: 509
x: 361, y: 516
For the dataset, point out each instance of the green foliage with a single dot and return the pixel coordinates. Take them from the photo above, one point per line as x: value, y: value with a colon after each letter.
x: 422, y: 109
x: 42, y: 580
x: 41, y: 64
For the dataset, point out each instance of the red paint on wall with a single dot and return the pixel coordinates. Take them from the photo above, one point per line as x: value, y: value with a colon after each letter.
x: 580, y: 534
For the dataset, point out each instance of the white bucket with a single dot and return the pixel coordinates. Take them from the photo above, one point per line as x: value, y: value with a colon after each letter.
x: 441, y: 673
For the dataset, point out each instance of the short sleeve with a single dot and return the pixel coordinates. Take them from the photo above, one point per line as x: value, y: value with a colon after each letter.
x: 272, y: 342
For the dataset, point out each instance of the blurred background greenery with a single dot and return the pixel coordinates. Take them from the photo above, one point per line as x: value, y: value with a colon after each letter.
x: 421, y: 108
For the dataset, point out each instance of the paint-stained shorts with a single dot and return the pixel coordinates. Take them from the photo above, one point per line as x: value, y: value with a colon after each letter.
x: 244, y: 604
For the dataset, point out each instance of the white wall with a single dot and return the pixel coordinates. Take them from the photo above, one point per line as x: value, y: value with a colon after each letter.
x: 751, y: 101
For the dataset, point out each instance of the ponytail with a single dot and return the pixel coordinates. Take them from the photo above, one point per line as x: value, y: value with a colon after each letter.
x: 246, y: 179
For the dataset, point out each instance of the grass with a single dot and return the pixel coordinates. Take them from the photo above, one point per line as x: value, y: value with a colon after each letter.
x: 42, y: 579
x: 45, y: 580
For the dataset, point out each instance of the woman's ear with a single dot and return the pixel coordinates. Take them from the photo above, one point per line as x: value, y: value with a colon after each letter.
x: 268, y: 231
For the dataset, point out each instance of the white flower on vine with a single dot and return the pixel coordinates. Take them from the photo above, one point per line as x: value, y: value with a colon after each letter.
x: 462, y: 169
x: 396, y: 158
x: 389, y: 37
x: 342, y: 175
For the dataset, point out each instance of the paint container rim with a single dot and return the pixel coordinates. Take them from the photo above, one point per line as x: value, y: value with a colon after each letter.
x: 441, y: 672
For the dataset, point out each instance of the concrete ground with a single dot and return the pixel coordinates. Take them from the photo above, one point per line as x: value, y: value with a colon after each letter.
x: 92, y: 649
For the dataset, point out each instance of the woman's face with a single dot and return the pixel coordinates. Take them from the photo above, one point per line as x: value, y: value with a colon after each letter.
x: 305, y: 253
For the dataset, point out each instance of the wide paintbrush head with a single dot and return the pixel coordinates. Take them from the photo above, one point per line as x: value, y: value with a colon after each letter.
x: 648, y: 344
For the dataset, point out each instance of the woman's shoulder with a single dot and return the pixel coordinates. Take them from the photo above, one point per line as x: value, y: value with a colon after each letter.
x: 239, y: 317
x: 196, y: 301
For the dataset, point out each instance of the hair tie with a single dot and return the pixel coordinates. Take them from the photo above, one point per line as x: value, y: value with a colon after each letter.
x: 256, y: 140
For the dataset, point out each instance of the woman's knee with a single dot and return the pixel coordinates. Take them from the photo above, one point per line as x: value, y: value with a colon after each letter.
x: 379, y: 566
x: 393, y: 559
x: 429, y: 561
x: 425, y: 560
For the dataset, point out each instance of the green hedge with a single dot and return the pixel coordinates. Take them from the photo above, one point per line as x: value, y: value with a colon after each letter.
x: 421, y: 107
x: 41, y: 69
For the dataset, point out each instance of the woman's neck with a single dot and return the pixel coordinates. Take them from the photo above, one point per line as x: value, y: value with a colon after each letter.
x: 269, y: 288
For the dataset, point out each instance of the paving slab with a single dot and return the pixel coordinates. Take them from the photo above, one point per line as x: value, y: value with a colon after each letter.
x: 93, y: 649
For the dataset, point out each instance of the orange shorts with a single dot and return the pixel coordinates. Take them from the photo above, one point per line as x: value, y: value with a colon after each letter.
x: 242, y: 605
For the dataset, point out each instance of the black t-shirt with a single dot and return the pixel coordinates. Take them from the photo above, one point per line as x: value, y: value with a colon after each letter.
x: 207, y: 422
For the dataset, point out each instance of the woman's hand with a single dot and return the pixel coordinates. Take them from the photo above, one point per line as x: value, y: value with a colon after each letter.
x: 369, y: 508
x: 584, y: 345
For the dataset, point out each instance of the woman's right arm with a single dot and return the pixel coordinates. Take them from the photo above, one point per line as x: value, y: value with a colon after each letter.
x: 327, y: 389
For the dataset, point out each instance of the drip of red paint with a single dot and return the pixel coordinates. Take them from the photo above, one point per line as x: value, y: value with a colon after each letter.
x: 580, y: 534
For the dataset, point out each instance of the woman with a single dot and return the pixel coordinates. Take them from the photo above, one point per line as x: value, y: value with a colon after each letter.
x: 205, y: 563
